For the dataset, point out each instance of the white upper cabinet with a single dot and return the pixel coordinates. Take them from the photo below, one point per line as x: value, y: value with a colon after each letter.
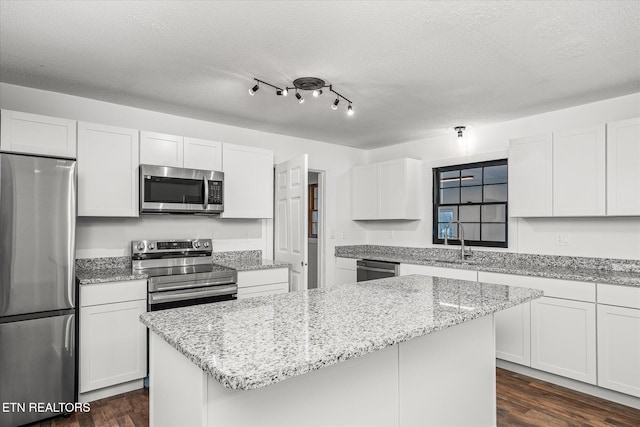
x: 530, y: 176
x: 364, y: 192
x: 202, y: 154
x: 161, y: 149
x: 387, y: 190
x: 107, y: 171
x: 579, y: 177
x: 623, y: 167
x: 180, y: 152
x: 248, y: 182
x: 34, y: 134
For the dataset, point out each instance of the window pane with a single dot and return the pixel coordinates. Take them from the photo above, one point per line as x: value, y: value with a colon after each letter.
x: 450, y: 179
x: 452, y: 231
x: 495, y: 193
x: 470, y: 213
x: 493, y: 232
x: 471, y: 177
x: 495, y: 174
x: 447, y: 214
x: 450, y: 195
x: 314, y: 228
x: 314, y: 216
x: 471, y: 195
x: 471, y: 231
x: 315, y: 193
x: 494, y: 213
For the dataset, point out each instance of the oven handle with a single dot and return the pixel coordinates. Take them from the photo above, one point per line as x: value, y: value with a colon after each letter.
x: 159, y: 285
x: 378, y: 270
x: 185, y: 295
x: 206, y: 192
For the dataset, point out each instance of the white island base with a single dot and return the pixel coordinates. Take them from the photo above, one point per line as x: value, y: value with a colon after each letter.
x: 445, y: 378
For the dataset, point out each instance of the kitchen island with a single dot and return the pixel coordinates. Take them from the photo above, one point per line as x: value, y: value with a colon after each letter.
x: 403, y: 351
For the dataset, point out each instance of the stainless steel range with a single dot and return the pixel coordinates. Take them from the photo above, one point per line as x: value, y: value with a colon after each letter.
x: 181, y: 273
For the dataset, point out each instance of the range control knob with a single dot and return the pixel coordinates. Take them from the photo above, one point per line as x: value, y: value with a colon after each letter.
x: 151, y: 246
x: 206, y: 244
x: 141, y: 246
x: 196, y: 245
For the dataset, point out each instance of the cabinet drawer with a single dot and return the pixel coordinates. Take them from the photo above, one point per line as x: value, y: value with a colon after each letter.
x: 346, y: 263
x: 255, y: 291
x: 262, y: 277
x: 113, y: 292
x: 623, y: 296
x: 449, y: 273
x: 555, y: 288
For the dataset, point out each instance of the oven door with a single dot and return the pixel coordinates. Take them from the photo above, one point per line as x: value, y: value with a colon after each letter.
x: 191, y: 296
x: 178, y: 190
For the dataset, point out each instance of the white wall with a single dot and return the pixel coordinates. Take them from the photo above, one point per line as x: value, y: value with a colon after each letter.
x: 109, y: 237
x: 597, y: 237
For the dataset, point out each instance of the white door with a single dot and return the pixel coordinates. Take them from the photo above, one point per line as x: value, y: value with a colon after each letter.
x: 291, y: 222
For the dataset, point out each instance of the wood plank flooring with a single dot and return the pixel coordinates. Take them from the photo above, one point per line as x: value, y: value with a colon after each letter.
x: 521, y: 401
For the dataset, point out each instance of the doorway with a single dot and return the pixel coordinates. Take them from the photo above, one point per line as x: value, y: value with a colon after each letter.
x: 314, y: 229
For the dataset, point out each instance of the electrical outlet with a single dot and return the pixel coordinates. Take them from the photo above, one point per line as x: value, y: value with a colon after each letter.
x: 342, y: 235
x: 562, y: 239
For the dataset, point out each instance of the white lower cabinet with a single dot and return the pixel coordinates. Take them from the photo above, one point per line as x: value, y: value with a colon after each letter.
x: 513, y: 334
x: 346, y: 271
x: 256, y: 283
x: 563, y: 338
x: 113, y: 341
x: 619, y: 338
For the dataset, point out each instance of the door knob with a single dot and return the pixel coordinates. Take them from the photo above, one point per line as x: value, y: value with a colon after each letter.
x: 303, y: 264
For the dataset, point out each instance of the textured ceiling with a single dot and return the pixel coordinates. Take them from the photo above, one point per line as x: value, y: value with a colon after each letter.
x: 412, y: 69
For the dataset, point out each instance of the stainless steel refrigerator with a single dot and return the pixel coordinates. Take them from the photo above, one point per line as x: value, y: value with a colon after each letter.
x: 37, y: 287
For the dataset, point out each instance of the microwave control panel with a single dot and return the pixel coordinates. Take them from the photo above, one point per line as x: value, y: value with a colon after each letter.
x: 215, y: 193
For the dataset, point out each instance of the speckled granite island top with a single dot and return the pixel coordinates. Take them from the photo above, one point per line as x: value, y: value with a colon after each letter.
x: 252, y: 264
x: 252, y: 343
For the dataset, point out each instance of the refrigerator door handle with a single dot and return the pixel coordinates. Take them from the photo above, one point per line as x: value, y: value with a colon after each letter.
x: 69, y: 334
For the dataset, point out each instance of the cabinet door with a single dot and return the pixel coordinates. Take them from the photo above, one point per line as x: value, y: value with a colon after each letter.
x: 113, y: 344
x: 392, y: 192
x: 563, y: 338
x: 31, y: 133
x: 579, y: 175
x: 161, y: 149
x: 107, y: 171
x: 202, y: 154
x: 619, y: 349
x: 364, y: 192
x: 623, y: 167
x: 248, y: 182
x: 530, y: 176
x: 346, y: 271
x: 513, y: 334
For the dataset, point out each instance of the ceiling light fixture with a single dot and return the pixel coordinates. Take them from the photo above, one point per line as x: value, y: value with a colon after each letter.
x: 459, y: 129
x: 310, y: 84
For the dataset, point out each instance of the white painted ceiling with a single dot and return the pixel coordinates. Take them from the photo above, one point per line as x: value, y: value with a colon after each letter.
x: 412, y: 69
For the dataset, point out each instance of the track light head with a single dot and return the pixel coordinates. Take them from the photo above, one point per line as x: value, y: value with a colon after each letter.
x: 334, y: 106
x: 285, y: 92
x: 317, y: 93
x: 459, y: 129
x: 254, y: 89
x: 349, y: 110
x: 299, y: 98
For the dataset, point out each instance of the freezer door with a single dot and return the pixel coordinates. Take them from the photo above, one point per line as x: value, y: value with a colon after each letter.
x: 37, y: 364
x: 37, y: 234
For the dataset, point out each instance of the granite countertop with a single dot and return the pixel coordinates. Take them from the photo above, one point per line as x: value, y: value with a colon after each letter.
x: 252, y: 264
x: 598, y: 270
x: 252, y: 343
x: 105, y: 275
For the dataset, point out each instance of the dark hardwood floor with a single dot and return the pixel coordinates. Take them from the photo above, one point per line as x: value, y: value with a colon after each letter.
x: 521, y: 401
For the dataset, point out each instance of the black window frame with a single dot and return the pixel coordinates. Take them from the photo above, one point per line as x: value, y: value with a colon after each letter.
x: 436, y: 204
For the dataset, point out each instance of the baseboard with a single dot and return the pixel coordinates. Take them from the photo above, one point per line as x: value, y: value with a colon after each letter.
x: 603, y: 393
x: 101, y: 393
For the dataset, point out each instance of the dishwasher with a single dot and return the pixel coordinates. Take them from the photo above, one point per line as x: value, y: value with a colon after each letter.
x: 369, y: 269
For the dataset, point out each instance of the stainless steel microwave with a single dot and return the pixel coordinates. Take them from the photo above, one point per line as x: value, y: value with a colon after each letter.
x: 178, y: 190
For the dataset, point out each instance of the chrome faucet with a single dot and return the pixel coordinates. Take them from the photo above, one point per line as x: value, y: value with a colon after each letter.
x: 463, y: 252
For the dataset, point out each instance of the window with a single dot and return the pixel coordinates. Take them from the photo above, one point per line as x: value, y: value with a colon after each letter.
x: 313, y: 210
x: 475, y: 195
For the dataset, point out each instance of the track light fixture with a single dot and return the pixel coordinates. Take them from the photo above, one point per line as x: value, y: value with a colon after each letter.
x: 459, y: 129
x: 306, y: 83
